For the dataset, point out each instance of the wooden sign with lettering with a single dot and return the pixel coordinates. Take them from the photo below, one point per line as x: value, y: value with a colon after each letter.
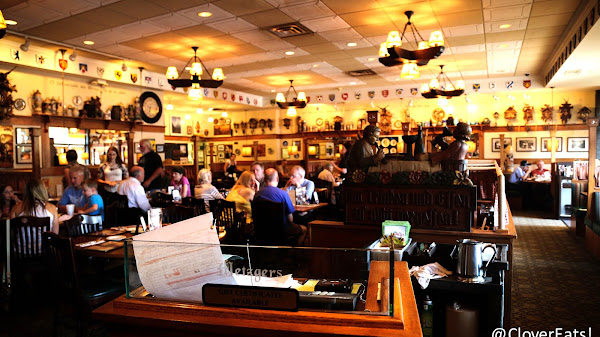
x: 424, y: 206
x: 250, y: 297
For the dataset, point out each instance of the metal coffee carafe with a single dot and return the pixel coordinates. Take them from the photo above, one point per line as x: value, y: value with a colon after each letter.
x: 470, y: 267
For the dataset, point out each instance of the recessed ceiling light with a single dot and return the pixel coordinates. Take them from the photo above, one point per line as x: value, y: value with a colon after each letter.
x: 351, y: 44
x: 289, y: 53
x: 188, y: 68
x: 315, y: 65
x: 503, y: 46
x: 352, y: 83
x: 10, y: 22
x: 272, y: 90
x: 199, y: 111
x: 88, y: 42
x: 224, y: 114
x: 504, y: 26
x: 210, y: 119
x: 204, y: 14
x: 371, y: 59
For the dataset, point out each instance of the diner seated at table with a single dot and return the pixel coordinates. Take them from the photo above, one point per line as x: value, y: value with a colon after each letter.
x: 71, y: 157
x: 74, y: 193
x: 133, y: 189
x: 8, y: 200
x: 520, y: 173
x: 540, y: 170
x: 272, y: 193
x: 259, y: 172
x: 180, y: 182
x: 205, y: 190
x: 242, y: 193
x: 35, y: 203
x: 327, y: 174
x: 297, y: 180
x: 95, y: 204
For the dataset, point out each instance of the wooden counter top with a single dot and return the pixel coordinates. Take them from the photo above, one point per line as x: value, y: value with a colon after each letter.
x: 147, y: 317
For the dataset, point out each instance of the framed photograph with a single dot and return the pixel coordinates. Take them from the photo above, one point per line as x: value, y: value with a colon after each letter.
x: 222, y: 130
x: 160, y: 148
x: 546, y: 141
x: 261, y: 150
x: 189, y: 130
x: 220, y: 147
x: 23, y: 136
x: 578, y: 144
x: 496, y: 143
x: 24, y: 154
x: 526, y: 144
x: 175, y: 125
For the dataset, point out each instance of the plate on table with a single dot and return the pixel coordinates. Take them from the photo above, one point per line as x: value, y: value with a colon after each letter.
x: 116, y: 238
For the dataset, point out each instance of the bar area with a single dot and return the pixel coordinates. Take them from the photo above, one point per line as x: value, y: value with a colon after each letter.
x: 307, y: 168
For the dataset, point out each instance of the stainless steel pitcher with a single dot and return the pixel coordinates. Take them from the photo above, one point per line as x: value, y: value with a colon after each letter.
x: 470, y: 267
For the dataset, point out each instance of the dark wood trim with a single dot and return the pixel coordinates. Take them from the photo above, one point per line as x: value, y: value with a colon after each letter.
x: 81, y: 123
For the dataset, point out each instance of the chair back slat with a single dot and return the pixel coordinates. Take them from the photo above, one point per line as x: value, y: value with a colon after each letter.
x: 222, y: 211
x: 26, y: 237
x: 175, y: 213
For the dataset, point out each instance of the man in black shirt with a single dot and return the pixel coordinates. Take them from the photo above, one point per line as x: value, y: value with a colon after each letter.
x: 152, y: 164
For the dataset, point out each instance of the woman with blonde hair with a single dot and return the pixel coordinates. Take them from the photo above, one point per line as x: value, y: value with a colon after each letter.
x: 35, y: 203
x: 243, y: 192
x: 205, y: 189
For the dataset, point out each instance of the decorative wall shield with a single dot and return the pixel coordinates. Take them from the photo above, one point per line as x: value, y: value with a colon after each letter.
x: 414, y: 91
x: 476, y: 87
x: 233, y: 97
x: 357, y: 95
x: 205, y: 92
x: 216, y: 93
x: 527, y: 84
x: 385, y: 93
x: 148, y: 79
x: 319, y: 98
x: 399, y: 92
x: 40, y: 59
x: 100, y: 71
x: 332, y: 97
x: 83, y: 68
x: 492, y: 86
x: 371, y: 94
x: 14, y: 54
x: 510, y: 84
x: 118, y: 75
x: 133, y: 77
x: 224, y: 95
x: 345, y: 96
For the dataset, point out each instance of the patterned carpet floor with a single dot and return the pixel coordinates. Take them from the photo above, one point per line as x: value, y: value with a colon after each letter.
x: 556, y: 282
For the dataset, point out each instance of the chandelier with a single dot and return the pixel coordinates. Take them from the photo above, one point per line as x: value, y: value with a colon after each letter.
x: 391, y: 53
x: 441, y: 86
x: 298, y: 102
x: 197, y: 69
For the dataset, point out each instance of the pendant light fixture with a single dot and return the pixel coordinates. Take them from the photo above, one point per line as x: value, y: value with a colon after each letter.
x: 197, y: 69
x: 441, y: 86
x: 298, y: 102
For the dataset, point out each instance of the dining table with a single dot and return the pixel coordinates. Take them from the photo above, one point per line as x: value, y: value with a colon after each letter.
x: 310, y: 207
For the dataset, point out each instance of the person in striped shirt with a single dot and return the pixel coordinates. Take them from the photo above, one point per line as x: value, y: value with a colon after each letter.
x: 205, y: 190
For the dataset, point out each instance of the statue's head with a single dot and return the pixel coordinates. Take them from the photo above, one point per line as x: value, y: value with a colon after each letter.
x: 371, y: 134
x: 462, y: 131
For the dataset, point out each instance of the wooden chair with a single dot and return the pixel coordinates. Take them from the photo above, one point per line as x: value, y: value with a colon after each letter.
x: 161, y: 199
x: 109, y: 198
x: 26, y: 238
x: 222, y: 211
x: 198, y: 204
x: 269, y: 225
x: 176, y: 213
x: 324, y: 195
x: 84, y: 294
x: 78, y: 225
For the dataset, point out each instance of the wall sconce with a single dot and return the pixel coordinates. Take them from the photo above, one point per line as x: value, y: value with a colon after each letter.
x: 312, y: 150
x: 247, y: 151
x: 293, y: 150
x: 270, y: 124
x: 287, y: 122
x: 25, y: 45
x: 62, y: 159
x: 244, y: 126
x: 472, y: 146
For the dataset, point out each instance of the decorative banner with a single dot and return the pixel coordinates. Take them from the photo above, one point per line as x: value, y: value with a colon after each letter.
x: 319, y: 98
x: 148, y: 79
x: 399, y: 92
x: 133, y: 77
x: 118, y: 74
x: 14, y: 54
x: 100, y: 71
x: 385, y: 93
x: 255, y: 101
x: 509, y: 84
x: 247, y: 100
x: 492, y: 85
x: 63, y: 64
x: 224, y: 95
x: 241, y: 98
x: 527, y: 84
x: 371, y: 94
x: 83, y: 68
x: 332, y: 97
x: 345, y: 96
x: 476, y: 87
x: 233, y: 97
x: 414, y: 91
x: 357, y: 95
x: 40, y: 59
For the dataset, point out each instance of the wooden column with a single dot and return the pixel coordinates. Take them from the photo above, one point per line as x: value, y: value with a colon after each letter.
x: 196, y: 161
x: 130, y: 149
x: 47, y: 160
x: 35, y: 152
x: 593, y: 125
x: 502, y: 161
x: 210, y: 155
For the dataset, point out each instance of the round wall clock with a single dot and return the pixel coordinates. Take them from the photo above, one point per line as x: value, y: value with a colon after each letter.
x: 19, y: 104
x: 319, y: 122
x: 151, y: 107
x: 77, y: 100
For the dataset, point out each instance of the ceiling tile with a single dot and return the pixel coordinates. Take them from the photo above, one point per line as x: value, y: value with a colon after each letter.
x: 367, y: 17
x: 171, y: 21
x: 135, y: 30
x: 106, y: 17
x: 516, y: 24
x: 233, y: 25
x: 350, y: 6
x: 539, y: 42
x: 548, y: 20
x: 544, y: 32
x: 139, y: 9
x: 276, y: 44
x: 347, y: 34
x: 218, y: 13
x: 268, y: 18
x: 465, y: 40
x: 321, y: 48
x: 176, y: 5
x: 56, y: 30
x: 307, y: 11
x: 362, y: 43
x: 326, y: 24
x: 363, y: 52
x: 454, y: 6
x: 243, y: 7
x: 542, y: 8
x: 507, y: 36
x: 305, y: 40
x: 502, y: 3
x: 42, y: 14
x: 381, y: 29
x: 507, y: 13
x: 254, y: 36
x: 464, y: 30
x: 119, y: 49
x: 198, y: 32
x: 460, y: 19
x: 474, y: 48
x: 67, y: 6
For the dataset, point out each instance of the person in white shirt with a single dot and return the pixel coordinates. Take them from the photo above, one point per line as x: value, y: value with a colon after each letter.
x: 327, y: 174
x: 133, y: 189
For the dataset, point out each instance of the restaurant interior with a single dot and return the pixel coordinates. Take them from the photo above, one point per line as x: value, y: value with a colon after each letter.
x: 289, y: 83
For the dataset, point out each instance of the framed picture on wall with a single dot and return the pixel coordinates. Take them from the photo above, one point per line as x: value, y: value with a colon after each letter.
x: 578, y: 144
x: 545, y: 144
x: 526, y: 144
x: 496, y: 143
x: 189, y: 130
x: 175, y: 125
x: 160, y: 148
x: 24, y: 154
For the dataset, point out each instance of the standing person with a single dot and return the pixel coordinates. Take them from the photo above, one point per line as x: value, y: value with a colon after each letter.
x: 231, y: 165
x: 520, y: 173
x: 71, y: 162
x: 133, y: 189
x: 259, y: 172
x: 35, y: 203
x: 205, y: 190
x: 540, y: 170
x: 112, y: 171
x: 152, y: 165
x: 181, y: 182
x: 74, y: 193
x: 243, y: 192
x: 272, y: 193
x: 8, y: 200
x: 297, y: 180
x: 95, y: 204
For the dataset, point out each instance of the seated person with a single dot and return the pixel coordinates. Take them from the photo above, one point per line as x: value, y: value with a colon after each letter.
x: 327, y: 174
x: 8, y: 199
x: 35, y: 203
x: 272, y: 193
x: 74, y: 193
x: 540, y: 170
x: 181, y: 182
x: 297, y: 181
x: 259, y: 172
x: 205, y: 190
x: 133, y: 189
x: 282, y: 169
x: 71, y: 162
x: 243, y: 192
x: 95, y: 204
x: 520, y: 173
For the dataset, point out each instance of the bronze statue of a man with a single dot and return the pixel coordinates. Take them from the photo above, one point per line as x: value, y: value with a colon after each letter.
x: 364, y: 152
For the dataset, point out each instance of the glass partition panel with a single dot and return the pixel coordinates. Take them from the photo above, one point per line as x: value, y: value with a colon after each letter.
x: 327, y: 279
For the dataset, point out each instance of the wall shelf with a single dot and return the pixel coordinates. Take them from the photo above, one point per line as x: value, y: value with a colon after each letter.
x: 81, y: 123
